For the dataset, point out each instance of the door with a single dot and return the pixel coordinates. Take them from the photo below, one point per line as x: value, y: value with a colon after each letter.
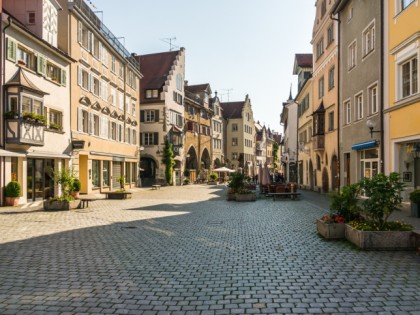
x: 116, y: 174
x: 40, y: 181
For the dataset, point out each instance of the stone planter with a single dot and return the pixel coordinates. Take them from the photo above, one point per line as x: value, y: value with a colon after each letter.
x: 118, y: 195
x: 415, y: 210
x: 380, y: 240
x: 231, y: 197
x: 246, y: 197
x: 61, y: 205
x: 330, y: 230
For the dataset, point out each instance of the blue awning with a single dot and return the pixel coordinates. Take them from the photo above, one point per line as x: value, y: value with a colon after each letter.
x: 364, y: 145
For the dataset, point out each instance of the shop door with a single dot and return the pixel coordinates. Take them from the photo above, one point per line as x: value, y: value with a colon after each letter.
x: 116, y: 173
x: 40, y: 182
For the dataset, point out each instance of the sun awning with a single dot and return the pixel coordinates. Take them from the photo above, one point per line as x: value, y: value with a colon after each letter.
x: 11, y: 153
x: 364, y: 145
x: 48, y: 155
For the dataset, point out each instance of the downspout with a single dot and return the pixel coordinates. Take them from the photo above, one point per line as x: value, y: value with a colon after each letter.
x: 338, y: 99
x: 3, y: 99
x: 381, y: 103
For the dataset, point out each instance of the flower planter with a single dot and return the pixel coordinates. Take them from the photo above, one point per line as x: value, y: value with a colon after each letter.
x: 118, y: 195
x: 415, y: 210
x: 12, y: 201
x: 330, y: 230
x: 246, y: 197
x: 61, y: 205
x: 380, y: 240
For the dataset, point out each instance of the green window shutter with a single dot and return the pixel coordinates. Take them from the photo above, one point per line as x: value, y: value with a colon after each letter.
x: 40, y: 64
x: 156, y: 138
x: 141, y: 138
x: 11, y: 50
x: 63, y: 79
x: 142, y: 116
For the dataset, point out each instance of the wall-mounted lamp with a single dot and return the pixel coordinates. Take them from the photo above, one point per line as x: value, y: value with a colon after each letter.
x: 416, y: 150
x: 371, y: 125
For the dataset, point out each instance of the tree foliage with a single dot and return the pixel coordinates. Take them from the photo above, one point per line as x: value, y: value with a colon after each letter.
x: 168, y: 160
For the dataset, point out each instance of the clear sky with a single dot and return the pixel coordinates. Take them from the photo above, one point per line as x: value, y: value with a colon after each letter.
x: 244, y: 45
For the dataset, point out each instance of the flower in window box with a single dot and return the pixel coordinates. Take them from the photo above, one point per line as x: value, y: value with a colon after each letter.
x: 11, y: 115
x: 56, y: 126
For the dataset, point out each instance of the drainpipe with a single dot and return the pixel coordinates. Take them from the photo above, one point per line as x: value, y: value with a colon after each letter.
x: 2, y: 97
x: 381, y: 103
x: 338, y: 100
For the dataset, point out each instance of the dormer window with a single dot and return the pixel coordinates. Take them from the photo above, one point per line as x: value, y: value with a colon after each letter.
x: 152, y: 93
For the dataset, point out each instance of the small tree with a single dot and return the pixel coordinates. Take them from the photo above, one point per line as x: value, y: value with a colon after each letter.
x: 168, y: 160
x: 214, y: 176
x: 383, y: 197
x: 12, y: 190
x: 64, y: 178
x: 236, y: 182
x: 345, y: 202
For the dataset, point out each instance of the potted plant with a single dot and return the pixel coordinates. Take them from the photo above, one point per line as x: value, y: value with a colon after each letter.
x: 383, y: 197
x: 12, y: 193
x: 213, y: 179
x: 236, y: 182
x: 343, y: 208
x: 65, y: 201
x: 75, y: 188
x: 55, y: 126
x: 245, y: 195
x: 415, y: 203
x: 121, y: 181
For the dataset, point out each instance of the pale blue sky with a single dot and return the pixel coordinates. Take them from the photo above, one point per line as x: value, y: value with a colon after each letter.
x: 244, y: 45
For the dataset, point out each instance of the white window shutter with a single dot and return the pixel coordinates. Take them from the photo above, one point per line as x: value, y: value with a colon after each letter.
x: 118, y: 132
x: 90, y: 41
x: 63, y: 79
x: 11, y: 49
x: 79, y: 32
x: 90, y: 123
x: 79, y: 76
x: 100, y: 88
x: 90, y: 88
x: 100, y: 51
x: 79, y: 119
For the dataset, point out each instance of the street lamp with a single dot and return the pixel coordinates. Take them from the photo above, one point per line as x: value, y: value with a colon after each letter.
x: 416, y: 150
x: 371, y: 125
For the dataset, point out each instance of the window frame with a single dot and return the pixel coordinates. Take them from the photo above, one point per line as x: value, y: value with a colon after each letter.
x: 347, y: 112
x: 321, y: 87
x: 352, y: 55
x: 359, y: 107
x: 369, y: 34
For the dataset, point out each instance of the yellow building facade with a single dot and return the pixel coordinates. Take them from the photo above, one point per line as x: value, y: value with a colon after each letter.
x: 402, y: 112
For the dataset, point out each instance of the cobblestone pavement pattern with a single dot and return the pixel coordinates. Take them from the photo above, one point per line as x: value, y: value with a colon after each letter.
x: 185, y: 250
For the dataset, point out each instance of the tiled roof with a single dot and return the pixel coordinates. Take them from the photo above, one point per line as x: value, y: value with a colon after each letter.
x: 304, y: 60
x: 155, y: 69
x: 21, y: 80
x: 197, y: 88
x: 232, y: 109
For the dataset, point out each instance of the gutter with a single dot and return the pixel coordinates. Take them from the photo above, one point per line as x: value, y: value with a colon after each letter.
x: 382, y: 79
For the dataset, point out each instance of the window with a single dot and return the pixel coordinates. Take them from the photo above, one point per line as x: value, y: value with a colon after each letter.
x: 113, y: 97
x: 373, y: 98
x: 31, y: 105
x: 31, y: 18
x: 347, y: 112
x: 113, y: 130
x: 127, y: 172
x: 234, y: 156
x: 352, y: 55
x: 104, y: 56
x: 104, y: 90
x: 95, y: 87
x: 83, y: 120
x: 134, y: 137
x: 120, y: 133
x: 133, y: 109
x: 149, y: 116
x: 84, y: 36
x: 330, y: 34
x: 330, y: 121
x: 96, y: 173
x: 323, y: 8
x: 84, y: 78
x: 359, y: 106
x: 234, y: 141
x: 133, y: 172
x: 121, y: 70
x: 105, y: 173
x: 331, y: 74
x: 120, y: 100
x: 369, y: 39
x: 27, y: 57
x: 55, y: 117
x: 13, y: 104
x: 409, y: 76
x: 149, y: 138
x: 405, y: 3
x: 95, y: 125
x: 320, y: 48
x: 234, y: 127
x: 152, y: 93
x: 96, y: 47
x: 113, y: 64
x: 179, y: 82
x: 321, y: 87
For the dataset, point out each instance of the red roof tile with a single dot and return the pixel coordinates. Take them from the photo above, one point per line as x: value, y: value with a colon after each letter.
x: 304, y: 60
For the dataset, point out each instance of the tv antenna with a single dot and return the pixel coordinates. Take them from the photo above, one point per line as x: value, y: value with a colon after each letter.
x: 169, y: 41
x: 227, y: 92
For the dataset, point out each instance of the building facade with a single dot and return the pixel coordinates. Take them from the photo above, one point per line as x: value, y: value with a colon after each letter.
x: 303, y: 69
x: 218, y: 154
x: 402, y: 111
x: 239, y: 135
x: 288, y: 119
x: 105, y: 85
x: 162, y: 107
x: 260, y: 147
x: 325, y: 99
x: 37, y: 137
x: 198, y: 132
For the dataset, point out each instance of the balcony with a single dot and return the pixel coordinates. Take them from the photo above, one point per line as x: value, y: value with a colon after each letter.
x: 19, y: 131
x: 318, y: 142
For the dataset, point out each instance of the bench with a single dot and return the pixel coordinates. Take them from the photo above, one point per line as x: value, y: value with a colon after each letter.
x: 155, y: 187
x: 292, y: 195
x: 84, y: 202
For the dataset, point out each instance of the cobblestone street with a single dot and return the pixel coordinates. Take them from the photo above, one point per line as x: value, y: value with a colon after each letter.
x: 185, y: 250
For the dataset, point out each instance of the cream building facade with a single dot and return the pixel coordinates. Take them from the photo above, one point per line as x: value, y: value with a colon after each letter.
x: 105, y: 84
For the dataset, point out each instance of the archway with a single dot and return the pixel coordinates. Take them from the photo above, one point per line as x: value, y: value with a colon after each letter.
x: 191, y: 164
x: 205, y: 159
x: 334, y: 173
x: 147, y: 171
x: 325, y: 180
